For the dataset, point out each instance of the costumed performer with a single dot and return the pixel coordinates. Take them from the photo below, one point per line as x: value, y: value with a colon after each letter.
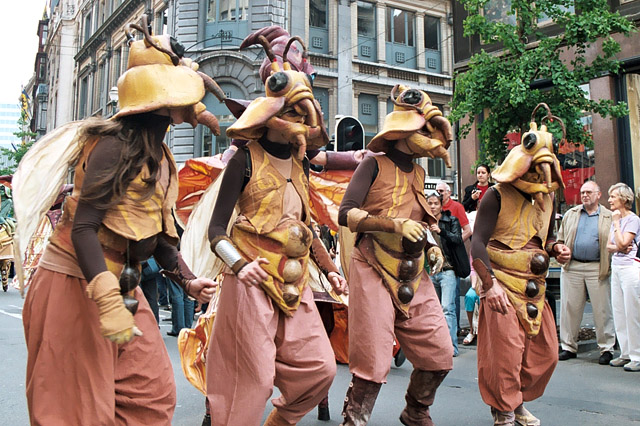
x: 267, y: 329
x: 517, y: 341
x: 390, y: 292
x: 108, y: 358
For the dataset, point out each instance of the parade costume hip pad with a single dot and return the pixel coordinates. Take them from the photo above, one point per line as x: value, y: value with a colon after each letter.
x: 287, y: 249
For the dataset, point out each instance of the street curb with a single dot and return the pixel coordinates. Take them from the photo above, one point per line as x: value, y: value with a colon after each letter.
x: 587, y: 346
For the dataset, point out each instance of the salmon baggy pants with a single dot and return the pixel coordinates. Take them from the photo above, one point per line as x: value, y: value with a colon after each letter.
x: 77, y: 377
x: 255, y: 346
x: 513, y: 368
x: 374, y: 323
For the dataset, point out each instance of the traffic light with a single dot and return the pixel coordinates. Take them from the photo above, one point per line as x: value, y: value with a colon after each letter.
x: 349, y: 134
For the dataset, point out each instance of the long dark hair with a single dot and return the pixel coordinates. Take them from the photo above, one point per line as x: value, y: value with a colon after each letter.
x: 138, y: 133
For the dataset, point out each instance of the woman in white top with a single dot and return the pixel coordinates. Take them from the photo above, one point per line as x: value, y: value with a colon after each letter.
x: 625, y: 282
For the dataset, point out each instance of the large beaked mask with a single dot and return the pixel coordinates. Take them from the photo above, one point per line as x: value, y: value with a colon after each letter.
x: 159, y: 77
x: 532, y: 166
x: 414, y: 118
x: 289, y: 109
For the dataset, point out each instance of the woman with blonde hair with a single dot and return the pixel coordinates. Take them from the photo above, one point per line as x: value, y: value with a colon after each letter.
x: 625, y: 282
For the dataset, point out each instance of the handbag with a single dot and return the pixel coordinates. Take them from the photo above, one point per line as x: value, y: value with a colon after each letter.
x: 460, y: 260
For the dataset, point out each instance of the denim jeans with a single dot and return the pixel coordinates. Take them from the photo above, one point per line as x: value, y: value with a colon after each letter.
x: 163, y: 299
x: 182, y: 308
x: 445, y: 285
x: 150, y: 290
x: 458, y: 301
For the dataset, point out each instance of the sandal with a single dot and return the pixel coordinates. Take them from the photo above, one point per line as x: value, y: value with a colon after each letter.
x: 469, y: 339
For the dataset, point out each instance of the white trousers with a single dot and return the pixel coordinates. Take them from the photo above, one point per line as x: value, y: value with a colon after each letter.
x: 625, y: 300
x: 578, y: 280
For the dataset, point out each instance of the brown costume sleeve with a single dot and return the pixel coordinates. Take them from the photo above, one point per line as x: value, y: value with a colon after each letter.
x: 485, y: 223
x: 231, y: 187
x: 350, y: 213
x: 86, y: 223
x: 358, y: 188
x: 322, y: 257
x: 551, y: 234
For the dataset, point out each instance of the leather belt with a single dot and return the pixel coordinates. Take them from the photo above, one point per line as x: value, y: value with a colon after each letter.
x: 584, y: 261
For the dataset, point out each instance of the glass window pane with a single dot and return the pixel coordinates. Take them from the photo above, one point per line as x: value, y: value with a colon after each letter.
x: 318, y: 13
x: 366, y: 19
x: 410, y: 21
x: 431, y: 32
x: 398, y: 26
x: 497, y: 11
x: 211, y: 11
x: 243, y: 9
x: 227, y: 10
x: 389, y: 24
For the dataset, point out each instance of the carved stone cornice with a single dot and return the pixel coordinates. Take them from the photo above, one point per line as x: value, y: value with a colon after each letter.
x: 115, y: 21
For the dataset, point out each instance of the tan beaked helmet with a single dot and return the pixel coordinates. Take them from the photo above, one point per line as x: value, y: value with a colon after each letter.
x: 415, y: 119
x: 159, y: 77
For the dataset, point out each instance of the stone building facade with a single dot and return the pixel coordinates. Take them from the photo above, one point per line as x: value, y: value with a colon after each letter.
x: 360, y: 50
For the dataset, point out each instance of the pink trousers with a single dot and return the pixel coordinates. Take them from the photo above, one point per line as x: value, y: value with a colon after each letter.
x: 255, y: 346
x: 513, y: 368
x: 77, y: 377
x: 374, y: 323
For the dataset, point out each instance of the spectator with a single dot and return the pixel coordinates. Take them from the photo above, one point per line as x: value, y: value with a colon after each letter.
x: 457, y: 210
x: 625, y: 283
x: 448, y: 234
x: 585, y: 229
x: 474, y: 193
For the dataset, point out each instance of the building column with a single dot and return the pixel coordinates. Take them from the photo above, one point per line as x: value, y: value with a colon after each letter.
x: 421, y: 60
x: 345, y: 58
x: 382, y: 110
x: 381, y: 13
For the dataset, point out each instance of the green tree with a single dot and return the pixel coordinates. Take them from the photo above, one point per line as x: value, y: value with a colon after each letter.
x: 27, y: 138
x: 501, y: 83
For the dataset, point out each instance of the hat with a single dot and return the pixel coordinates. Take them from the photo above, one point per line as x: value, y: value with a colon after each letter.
x: 414, y: 118
x: 152, y: 81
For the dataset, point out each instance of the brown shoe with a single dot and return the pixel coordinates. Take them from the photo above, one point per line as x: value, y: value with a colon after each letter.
x: 359, y: 402
x: 421, y: 393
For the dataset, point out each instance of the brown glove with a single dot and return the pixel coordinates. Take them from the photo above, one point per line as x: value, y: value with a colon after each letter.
x: 485, y: 275
x: 116, y: 322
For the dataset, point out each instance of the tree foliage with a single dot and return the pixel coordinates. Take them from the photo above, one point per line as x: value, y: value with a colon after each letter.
x: 501, y: 83
x: 16, y: 154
